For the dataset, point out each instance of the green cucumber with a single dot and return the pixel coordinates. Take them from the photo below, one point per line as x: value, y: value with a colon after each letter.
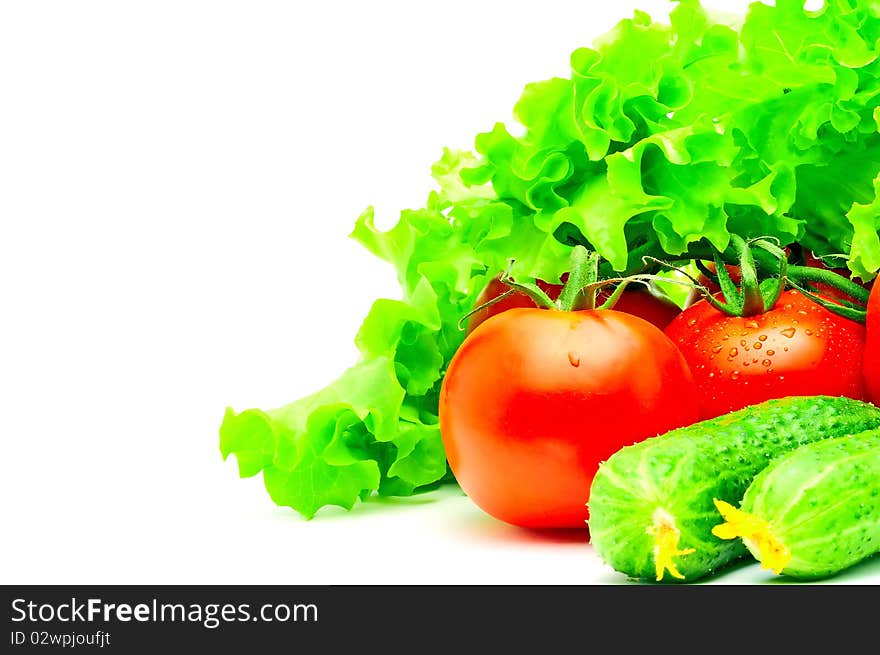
x: 814, y: 511
x: 651, y: 504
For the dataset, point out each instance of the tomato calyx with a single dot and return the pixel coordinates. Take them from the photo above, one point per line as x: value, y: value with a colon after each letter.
x: 581, y: 289
x: 578, y: 292
x: 751, y: 296
x: 841, y: 306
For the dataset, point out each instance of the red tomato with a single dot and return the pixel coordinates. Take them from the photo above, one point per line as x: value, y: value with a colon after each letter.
x: 534, y: 399
x: 872, y: 346
x: 635, y: 300
x: 797, y: 348
x: 638, y: 301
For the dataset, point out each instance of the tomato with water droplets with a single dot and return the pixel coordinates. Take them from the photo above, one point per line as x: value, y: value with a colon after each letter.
x: 534, y: 399
x: 797, y: 348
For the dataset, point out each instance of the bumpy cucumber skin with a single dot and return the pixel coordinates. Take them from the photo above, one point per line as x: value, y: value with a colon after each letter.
x: 822, y: 502
x: 682, y: 471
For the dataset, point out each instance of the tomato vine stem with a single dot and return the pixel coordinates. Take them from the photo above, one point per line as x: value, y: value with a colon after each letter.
x: 578, y: 291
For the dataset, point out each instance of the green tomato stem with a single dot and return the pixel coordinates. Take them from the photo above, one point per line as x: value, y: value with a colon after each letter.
x: 772, y: 288
x: 533, y: 291
x: 857, y: 315
x: 801, y: 274
x: 750, y: 292
x: 462, y: 322
x: 584, y: 272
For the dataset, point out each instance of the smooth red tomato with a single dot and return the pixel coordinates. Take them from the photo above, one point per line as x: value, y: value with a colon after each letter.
x: 534, y: 399
x: 798, y: 348
x: 872, y: 346
x: 635, y: 300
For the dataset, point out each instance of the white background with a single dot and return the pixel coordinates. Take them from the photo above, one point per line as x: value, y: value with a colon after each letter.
x: 177, y: 182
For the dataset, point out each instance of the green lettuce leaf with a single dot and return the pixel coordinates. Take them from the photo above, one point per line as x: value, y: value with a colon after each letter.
x: 666, y: 139
x: 865, y: 219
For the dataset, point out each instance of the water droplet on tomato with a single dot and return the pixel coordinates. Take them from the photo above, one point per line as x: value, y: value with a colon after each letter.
x: 771, y: 352
x: 763, y: 337
x: 769, y: 370
x: 733, y: 352
x: 734, y: 375
x: 692, y: 322
x: 752, y: 324
x: 574, y: 359
x: 766, y: 362
x: 717, y: 349
x: 785, y: 348
x: 788, y: 332
x: 742, y: 342
x: 745, y: 362
x: 757, y: 345
x: 802, y: 312
x: 809, y: 333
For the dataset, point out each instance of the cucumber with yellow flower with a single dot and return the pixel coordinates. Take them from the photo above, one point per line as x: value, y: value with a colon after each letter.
x: 813, y: 512
x: 652, y: 504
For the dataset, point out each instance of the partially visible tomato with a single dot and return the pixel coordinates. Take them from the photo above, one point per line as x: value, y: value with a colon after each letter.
x: 796, y: 348
x: 635, y: 300
x: 638, y: 301
x: 534, y: 399
x: 872, y: 346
